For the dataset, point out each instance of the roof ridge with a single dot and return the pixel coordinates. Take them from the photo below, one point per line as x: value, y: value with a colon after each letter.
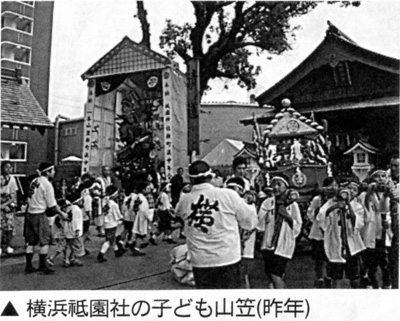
x: 335, y: 31
x: 386, y: 63
x: 117, y: 48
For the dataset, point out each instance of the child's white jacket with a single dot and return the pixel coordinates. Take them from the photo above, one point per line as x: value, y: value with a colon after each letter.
x: 143, y: 216
x: 287, y: 236
x: 332, y: 229
x: 378, y: 205
x: 368, y: 230
x: 113, y: 216
x: 127, y: 207
x: 248, y: 250
x: 74, y: 228
x: 316, y: 232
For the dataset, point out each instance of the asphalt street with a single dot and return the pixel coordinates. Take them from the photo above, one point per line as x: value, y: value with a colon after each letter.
x: 150, y: 272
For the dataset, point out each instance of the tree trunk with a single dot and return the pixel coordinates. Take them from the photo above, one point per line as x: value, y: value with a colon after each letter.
x: 142, y: 15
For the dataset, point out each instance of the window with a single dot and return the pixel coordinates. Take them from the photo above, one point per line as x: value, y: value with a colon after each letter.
x: 14, y: 151
x: 11, y: 20
x: 22, y: 55
x: 16, y: 53
x: 7, y: 52
x: 70, y: 131
x: 361, y: 159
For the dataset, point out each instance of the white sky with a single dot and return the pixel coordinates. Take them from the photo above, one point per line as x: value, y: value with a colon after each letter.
x: 85, y: 30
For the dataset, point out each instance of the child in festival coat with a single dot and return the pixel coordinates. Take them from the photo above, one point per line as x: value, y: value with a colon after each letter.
x: 166, y: 218
x: 57, y: 232
x: 143, y: 219
x: 377, y: 234
x: 72, y: 230
x: 129, y: 216
x: 87, y: 202
x: 282, y: 218
x: 247, y: 237
x: 329, y: 190
x: 341, y: 218
x: 112, y: 218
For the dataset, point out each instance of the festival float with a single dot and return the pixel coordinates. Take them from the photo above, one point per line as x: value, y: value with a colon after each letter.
x: 296, y: 146
x: 135, y: 115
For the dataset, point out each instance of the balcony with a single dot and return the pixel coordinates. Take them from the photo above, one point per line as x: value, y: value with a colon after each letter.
x: 18, y: 7
x: 15, y: 53
x: 11, y: 20
x: 16, y: 37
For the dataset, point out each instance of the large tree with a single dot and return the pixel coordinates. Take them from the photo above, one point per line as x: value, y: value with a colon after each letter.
x: 226, y: 33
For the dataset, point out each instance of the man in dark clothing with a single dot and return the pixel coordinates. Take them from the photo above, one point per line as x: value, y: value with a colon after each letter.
x: 176, y: 186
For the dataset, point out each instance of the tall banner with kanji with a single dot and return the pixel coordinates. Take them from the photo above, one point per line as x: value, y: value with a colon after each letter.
x: 175, y: 121
x: 167, y: 116
x: 193, y: 107
x: 88, y: 127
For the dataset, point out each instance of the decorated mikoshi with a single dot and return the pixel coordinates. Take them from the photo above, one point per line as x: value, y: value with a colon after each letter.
x: 295, y: 145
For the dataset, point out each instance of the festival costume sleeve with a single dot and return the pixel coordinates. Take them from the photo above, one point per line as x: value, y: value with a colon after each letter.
x: 144, y: 208
x: 368, y: 215
x: 384, y: 205
x: 165, y: 203
x: 262, y: 215
x: 77, y: 222
x: 87, y: 203
x: 247, y: 219
x: 312, y: 208
x: 297, y: 220
x: 48, y: 193
x: 124, y: 207
x: 117, y: 213
x: 13, y: 188
x: 179, y: 207
x: 358, y: 209
x: 321, y: 217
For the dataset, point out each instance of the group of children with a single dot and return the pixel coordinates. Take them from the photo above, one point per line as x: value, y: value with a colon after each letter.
x: 350, y: 235
x: 130, y: 221
x: 351, y: 232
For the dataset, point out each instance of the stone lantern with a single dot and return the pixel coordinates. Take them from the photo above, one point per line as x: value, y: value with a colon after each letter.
x: 362, y: 152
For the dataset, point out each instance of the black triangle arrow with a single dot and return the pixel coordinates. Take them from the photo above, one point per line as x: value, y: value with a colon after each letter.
x: 9, y: 311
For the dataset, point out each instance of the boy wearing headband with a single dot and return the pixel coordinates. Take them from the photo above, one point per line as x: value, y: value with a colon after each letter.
x: 212, y: 219
x: 72, y: 229
x: 247, y: 237
x: 341, y: 218
x: 377, y: 234
x: 282, y: 218
x: 112, y: 218
x: 143, y: 218
x: 37, y: 231
x: 239, y: 166
x: 329, y: 190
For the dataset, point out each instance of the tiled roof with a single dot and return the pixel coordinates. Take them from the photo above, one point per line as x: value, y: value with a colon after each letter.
x: 19, y: 106
x: 127, y: 57
x: 335, y: 44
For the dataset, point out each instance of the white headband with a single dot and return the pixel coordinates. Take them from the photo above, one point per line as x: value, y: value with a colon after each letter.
x: 378, y: 171
x: 78, y: 200
x: 205, y: 174
x: 115, y: 194
x: 281, y: 179
x: 44, y: 170
x: 234, y: 185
